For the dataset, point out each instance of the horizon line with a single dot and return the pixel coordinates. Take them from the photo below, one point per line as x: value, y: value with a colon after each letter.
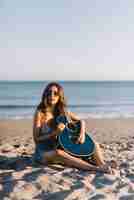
x: 77, y: 80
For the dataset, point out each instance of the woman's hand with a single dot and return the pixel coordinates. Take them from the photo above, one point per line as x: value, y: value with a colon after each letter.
x: 60, y: 127
x: 81, y: 138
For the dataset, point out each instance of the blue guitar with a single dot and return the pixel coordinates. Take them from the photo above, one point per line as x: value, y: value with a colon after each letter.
x: 67, y: 139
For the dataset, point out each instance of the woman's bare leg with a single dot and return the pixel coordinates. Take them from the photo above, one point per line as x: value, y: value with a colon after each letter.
x: 99, y: 159
x: 98, y: 155
x: 69, y: 160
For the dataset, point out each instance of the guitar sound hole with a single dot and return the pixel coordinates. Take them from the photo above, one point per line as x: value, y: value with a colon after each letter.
x: 73, y: 138
x: 71, y: 126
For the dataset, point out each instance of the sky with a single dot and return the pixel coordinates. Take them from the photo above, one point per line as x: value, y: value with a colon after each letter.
x: 67, y: 40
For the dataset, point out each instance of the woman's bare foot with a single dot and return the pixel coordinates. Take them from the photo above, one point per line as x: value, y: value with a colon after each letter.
x: 108, y: 168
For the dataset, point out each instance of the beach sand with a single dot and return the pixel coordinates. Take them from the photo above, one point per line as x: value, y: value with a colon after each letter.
x: 102, y: 130
x: 19, y: 179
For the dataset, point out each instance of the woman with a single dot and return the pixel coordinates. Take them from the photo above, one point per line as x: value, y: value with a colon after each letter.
x: 46, y: 130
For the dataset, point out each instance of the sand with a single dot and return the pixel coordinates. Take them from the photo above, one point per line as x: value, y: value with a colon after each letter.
x: 102, y: 130
x: 21, y: 179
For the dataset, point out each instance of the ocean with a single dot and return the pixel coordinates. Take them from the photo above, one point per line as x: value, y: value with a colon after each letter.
x: 96, y: 99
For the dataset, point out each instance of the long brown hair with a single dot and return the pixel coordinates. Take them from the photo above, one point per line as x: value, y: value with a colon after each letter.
x: 60, y: 107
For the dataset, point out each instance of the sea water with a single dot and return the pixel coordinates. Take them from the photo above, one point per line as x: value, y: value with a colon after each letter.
x: 97, y: 99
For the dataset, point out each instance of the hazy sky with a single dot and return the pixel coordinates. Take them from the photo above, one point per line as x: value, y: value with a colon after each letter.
x: 66, y: 39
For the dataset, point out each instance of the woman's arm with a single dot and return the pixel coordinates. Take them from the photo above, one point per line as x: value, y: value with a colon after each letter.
x: 81, y: 137
x: 73, y: 116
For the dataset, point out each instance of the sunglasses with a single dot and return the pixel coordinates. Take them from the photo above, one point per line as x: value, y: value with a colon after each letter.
x: 51, y: 92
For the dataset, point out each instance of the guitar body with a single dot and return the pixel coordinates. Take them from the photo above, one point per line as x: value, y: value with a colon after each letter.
x: 67, y: 140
